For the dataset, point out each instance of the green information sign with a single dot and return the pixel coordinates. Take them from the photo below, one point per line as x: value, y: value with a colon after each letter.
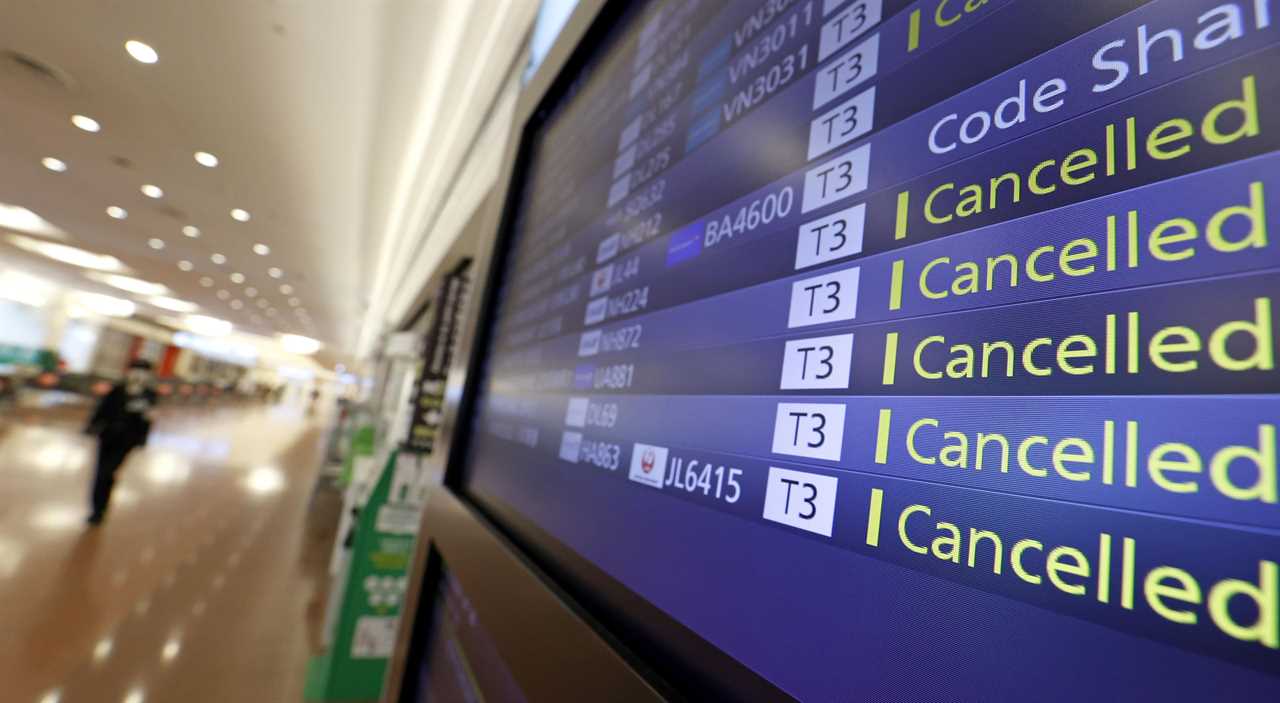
x: 386, y: 532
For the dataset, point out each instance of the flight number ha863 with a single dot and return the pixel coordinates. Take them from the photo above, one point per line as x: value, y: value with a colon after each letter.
x: 605, y: 455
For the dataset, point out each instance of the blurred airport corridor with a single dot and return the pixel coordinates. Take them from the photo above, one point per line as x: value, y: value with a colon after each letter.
x: 203, y: 584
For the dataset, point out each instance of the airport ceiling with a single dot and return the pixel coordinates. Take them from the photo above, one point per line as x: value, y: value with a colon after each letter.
x: 294, y: 98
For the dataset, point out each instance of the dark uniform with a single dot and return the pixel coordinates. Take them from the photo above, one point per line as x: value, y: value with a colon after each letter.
x: 121, y: 424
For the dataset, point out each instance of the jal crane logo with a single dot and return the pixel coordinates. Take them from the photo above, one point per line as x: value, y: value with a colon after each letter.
x: 647, y: 460
x: 648, y: 464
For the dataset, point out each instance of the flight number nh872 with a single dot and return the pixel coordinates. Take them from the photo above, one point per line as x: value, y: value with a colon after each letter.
x: 616, y: 340
x: 621, y: 339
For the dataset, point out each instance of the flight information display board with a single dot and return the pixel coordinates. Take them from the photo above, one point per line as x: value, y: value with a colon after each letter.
x: 461, y: 661
x: 905, y: 349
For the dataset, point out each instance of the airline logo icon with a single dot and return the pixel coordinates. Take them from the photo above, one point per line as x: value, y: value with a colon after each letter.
x: 685, y: 244
x: 589, y: 344
x: 570, y: 446
x: 601, y: 280
x: 608, y: 248
x: 583, y: 376
x: 648, y: 464
x: 576, y: 415
x: 596, y: 311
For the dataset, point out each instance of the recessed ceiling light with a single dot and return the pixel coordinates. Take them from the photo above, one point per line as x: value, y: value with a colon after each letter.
x: 86, y: 123
x: 218, y: 259
x: 251, y: 292
x: 261, y: 249
x: 173, y: 304
x: 264, y: 303
x: 207, y: 326
x: 191, y: 231
x: 296, y: 344
x: 275, y: 272
x: 206, y: 159
x: 206, y: 281
x: 237, y: 278
x: 26, y: 289
x: 53, y: 164
x: 143, y: 53
x: 224, y: 295
x: 105, y: 305
x: 20, y: 219
x: 186, y: 265
x: 236, y: 305
x: 295, y: 302
x: 117, y: 212
x: 126, y: 283
x: 286, y: 289
x: 240, y: 215
x: 171, y: 649
x: 66, y: 254
x: 156, y: 244
x: 152, y: 191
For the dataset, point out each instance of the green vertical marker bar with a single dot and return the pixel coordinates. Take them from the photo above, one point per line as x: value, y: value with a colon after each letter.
x: 372, y: 594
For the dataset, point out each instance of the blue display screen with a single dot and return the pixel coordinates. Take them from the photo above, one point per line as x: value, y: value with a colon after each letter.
x: 909, y: 350
x: 461, y: 662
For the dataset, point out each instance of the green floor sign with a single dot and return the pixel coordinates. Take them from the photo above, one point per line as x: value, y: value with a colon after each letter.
x: 386, y: 532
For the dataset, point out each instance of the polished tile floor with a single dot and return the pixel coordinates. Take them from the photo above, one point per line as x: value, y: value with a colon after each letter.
x: 205, y: 583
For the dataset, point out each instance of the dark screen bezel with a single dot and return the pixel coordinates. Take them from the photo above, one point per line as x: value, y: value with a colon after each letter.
x: 675, y: 659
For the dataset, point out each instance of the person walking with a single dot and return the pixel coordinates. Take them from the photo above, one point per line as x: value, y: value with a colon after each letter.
x: 121, y: 422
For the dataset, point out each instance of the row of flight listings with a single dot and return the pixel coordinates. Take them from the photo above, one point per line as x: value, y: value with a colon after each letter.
x: 1047, y: 276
